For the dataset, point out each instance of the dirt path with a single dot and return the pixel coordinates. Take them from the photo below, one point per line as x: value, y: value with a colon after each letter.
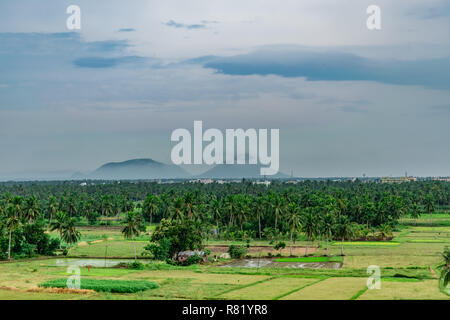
x: 433, y: 272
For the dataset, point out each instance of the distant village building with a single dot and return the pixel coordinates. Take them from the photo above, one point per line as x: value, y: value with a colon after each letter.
x: 447, y: 179
x: 183, y: 256
x: 204, y: 181
x: 266, y: 182
x: 397, y: 179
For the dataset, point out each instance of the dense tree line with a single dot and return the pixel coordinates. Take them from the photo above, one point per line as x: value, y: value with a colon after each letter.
x: 314, y: 209
x: 22, y: 230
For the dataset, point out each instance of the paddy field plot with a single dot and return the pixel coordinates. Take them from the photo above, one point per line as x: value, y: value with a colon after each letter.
x: 330, y: 289
x: 198, y: 277
x: 268, y: 290
x: 395, y: 290
x: 109, y: 249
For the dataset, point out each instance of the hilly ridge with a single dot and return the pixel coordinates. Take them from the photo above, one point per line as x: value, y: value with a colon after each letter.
x: 137, y: 169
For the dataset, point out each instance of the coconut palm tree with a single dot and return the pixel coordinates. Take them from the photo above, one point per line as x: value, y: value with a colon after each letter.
x: 385, y: 231
x: 241, y: 209
x: 176, y: 209
x: 343, y: 230
x: 445, y: 273
x: 70, y: 234
x: 12, y: 222
x: 131, y: 228
x: 429, y: 205
x: 189, y: 204
x: 294, y: 221
x: 151, y: 206
x: 31, y: 210
x: 278, y: 208
x: 328, y: 223
x: 309, y: 226
x: 259, y: 206
x: 215, y: 210
x: 415, y: 211
x: 52, y: 209
x: 58, y: 224
x: 17, y: 204
x: 71, y: 206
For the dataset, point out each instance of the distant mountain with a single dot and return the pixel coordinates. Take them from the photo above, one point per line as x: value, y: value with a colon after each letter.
x: 138, y: 169
x: 238, y: 171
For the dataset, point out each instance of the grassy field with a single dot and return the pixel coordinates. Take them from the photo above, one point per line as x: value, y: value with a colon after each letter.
x: 408, y: 271
x: 330, y: 289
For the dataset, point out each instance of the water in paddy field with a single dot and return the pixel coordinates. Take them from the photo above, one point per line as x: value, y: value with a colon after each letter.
x: 271, y: 263
x: 93, y: 262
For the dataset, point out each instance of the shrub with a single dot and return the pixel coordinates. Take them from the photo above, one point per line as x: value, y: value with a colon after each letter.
x: 194, y: 259
x: 92, y: 217
x: 237, y: 252
x: 136, y: 265
x: 112, y: 286
x: 279, y: 245
x: 161, y: 250
x: 183, y: 235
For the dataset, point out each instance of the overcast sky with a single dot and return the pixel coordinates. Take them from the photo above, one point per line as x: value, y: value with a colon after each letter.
x: 348, y: 101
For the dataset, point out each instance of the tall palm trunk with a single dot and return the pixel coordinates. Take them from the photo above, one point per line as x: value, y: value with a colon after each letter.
x: 306, y: 251
x: 50, y: 220
x: 327, y: 246
x: 276, y: 221
x: 259, y: 222
x: 342, y: 247
x: 217, y: 223
x: 9, y: 245
x: 290, y: 248
x: 231, y: 220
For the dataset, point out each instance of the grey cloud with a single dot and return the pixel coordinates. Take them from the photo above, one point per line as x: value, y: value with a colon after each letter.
x: 177, y: 25
x: 96, y: 62
x: 127, y: 30
x: 332, y: 66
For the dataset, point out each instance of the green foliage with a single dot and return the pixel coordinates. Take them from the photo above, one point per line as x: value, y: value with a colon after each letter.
x: 69, y: 232
x: 159, y: 251
x: 133, y: 224
x: 279, y: 245
x: 112, y: 286
x: 92, y: 217
x: 445, y: 271
x: 183, y: 235
x: 28, y: 241
x: 237, y: 252
x: 136, y: 265
x: 194, y: 259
